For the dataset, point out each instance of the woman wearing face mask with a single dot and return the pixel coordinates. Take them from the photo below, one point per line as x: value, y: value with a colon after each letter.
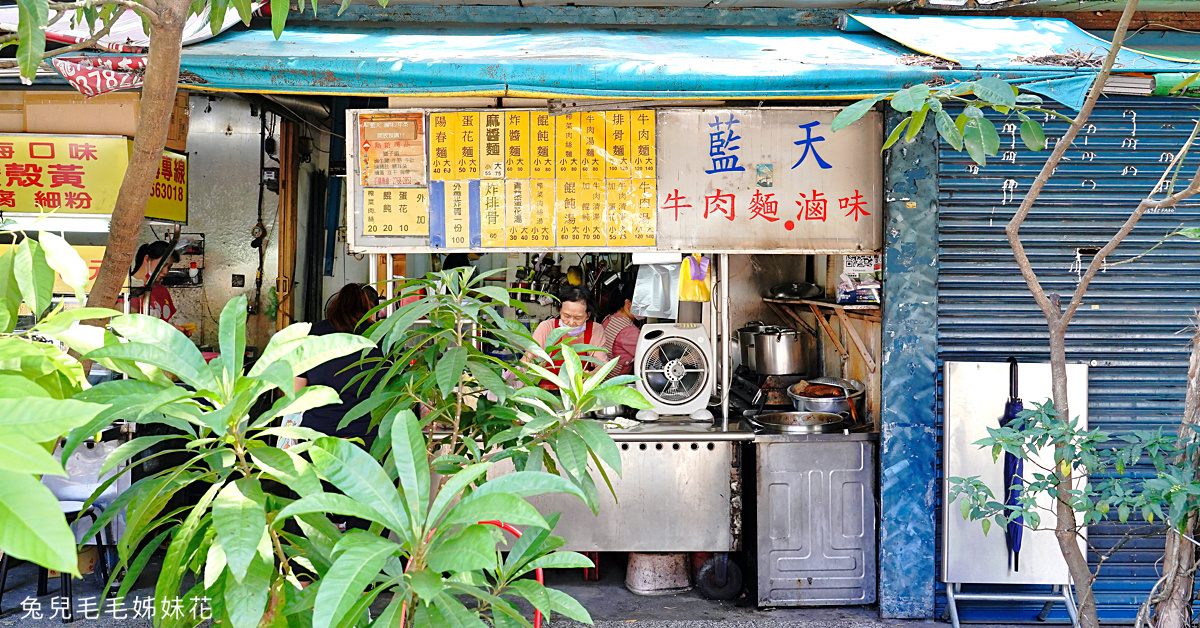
x: 574, y: 316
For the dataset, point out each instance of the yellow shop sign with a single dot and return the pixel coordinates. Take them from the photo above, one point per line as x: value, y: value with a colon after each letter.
x: 81, y: 175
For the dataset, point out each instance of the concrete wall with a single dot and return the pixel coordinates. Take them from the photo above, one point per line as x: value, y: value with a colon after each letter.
x: 223, y: 165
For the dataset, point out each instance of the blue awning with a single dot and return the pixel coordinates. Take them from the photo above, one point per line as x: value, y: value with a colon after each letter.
x: 572, y: 62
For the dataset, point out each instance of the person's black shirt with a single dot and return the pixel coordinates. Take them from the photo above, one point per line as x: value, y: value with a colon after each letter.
x: 336, y: 374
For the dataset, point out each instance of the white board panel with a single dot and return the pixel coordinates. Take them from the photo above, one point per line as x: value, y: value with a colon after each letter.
x: 768, y: 179
x: 974, y: 401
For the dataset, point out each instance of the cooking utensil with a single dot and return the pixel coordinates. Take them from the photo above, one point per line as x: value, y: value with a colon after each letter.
x: 612, y: 412
x: 781, y: 352
x: 800, y: 290
x: 850, y: 403
x: 800, y: 422
x: 745, y: 338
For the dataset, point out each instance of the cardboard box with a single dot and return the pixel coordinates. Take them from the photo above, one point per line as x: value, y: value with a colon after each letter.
x: 69, y: 113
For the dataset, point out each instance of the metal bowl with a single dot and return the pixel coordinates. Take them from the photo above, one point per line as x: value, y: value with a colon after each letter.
x: 800, y: 422
x: 612, y: 412
x: 851, y: 405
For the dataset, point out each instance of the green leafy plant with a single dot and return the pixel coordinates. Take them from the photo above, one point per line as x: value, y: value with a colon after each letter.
x: 490, y: 407
x: 970, y: 129
x: 37, y: 382
x: 1099, y: 461
x: 223, y: 538
x: 440, y: 550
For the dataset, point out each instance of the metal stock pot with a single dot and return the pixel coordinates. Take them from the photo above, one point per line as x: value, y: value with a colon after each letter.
x: 745, y: 337
x: 780, y: 352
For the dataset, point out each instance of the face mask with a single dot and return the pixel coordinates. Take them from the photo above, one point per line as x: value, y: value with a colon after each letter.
x: 572, y: 331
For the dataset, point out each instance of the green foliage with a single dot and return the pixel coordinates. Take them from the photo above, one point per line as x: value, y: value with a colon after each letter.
x: 971, y: 130
x: 479, y: 398
x: 264, y: 521
x: 1170, y: 495
x: 37, y: 383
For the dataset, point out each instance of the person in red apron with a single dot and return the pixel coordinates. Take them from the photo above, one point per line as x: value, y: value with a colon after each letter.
x: 574, y: 315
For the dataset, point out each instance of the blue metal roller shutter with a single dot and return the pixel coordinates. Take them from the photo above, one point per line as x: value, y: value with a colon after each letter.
x: 1133, y: 327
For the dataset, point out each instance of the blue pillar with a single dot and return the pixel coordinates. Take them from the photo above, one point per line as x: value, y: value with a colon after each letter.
x: 908, y: 487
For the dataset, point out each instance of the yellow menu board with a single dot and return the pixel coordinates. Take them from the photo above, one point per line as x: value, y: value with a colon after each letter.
x: 396, y: 211
x: 521, y: 179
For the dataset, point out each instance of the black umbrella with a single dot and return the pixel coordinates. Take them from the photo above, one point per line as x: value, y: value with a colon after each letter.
x: 1014, y: 468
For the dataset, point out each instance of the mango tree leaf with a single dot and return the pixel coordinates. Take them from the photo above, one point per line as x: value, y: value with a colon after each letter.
x: 241, y: 521
x: 851, y: 114
x: 282, y: 343
x: 455, y: 485
x: 572, y: 453
x: 599, y: 442
x: 63, y: 320
x: 66, y: 262
x: 308, y: 398
x: 910, y: 99
x: 32, y: 526
x: 279, y: 12
x: 361, y: 557
x: 21, y: 455
x: 158, y: 343
x: 449, y: 368
x: 567, y: 605
x: 359, y: 476
x: 35, y: 278
x: 129, y: 449
x: 232, y: 338
x: 471, y: 549
x: 495, y: 507
x: 313, y: 351
x: 329, y: 503
x: 410, y: 457
x: 245, y: 601
x: 31, y: 36
x: 560, y: 560
x: 622, y: 395
x: 10, y: 293
x: 288, y: 468
x: 528, y: 484
x: 41, y: 420
x: 456, y: 615
x: 426, y: 584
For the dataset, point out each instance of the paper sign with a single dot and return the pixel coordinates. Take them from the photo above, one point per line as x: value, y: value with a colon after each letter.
x: 396, y: 211
x: 392, y: 149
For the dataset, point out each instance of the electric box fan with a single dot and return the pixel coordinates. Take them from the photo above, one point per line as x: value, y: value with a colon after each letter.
x: 674, y: 367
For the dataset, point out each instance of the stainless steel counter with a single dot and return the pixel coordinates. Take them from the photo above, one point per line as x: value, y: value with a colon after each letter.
x: 832, y: 437
x: 681, y: 431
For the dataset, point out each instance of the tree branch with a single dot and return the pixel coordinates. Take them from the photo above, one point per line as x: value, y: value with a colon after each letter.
x: 1049, y: 308
x: 1098, y: 259
x: 147, y: 9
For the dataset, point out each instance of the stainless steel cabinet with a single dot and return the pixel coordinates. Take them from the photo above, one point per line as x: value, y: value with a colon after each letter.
x: 816, y: 520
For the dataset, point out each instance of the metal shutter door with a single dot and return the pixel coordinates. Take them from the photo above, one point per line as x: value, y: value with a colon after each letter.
x: 1133, y: 326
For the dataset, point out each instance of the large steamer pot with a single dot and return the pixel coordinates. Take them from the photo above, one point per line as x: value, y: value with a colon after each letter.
x: 851, y: 405
x: 783, y: 352
x: 746, y: 336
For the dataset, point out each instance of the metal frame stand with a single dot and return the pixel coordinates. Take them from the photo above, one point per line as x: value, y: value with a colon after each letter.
x: 1059, y: 593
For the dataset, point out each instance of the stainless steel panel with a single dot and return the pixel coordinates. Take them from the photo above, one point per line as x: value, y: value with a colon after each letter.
x: 671, y: 497
x: 816, y: 523
x: 975, y: 396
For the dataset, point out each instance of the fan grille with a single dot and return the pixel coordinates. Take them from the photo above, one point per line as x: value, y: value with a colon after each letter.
x: 674, y: 371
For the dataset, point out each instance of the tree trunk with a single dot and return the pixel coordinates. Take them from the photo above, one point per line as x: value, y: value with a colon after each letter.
x: 1174, y: 606
x: 154, y: 117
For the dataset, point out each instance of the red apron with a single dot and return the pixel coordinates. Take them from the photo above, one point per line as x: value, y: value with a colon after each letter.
x: 589, y: 336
